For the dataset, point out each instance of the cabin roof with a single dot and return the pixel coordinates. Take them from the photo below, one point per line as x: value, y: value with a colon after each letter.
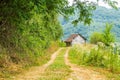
x: 71, y: 37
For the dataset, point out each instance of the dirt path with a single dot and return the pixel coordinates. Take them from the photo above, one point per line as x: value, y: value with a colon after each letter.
x: 80, y: 73
x: 34, y: 73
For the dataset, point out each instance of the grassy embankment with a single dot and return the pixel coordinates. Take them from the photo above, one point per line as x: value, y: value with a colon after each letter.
x: 99, y: 59
x: 58, y: 70
x: 13, y: 64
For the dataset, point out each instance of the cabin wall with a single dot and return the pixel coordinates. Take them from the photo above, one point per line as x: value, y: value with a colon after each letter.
x: 78, y: 40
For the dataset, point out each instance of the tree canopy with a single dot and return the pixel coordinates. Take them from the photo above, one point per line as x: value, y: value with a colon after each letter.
x: 34, y: 23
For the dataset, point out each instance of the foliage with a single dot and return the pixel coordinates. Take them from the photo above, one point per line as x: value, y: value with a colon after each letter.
x: 84, y: 11
x: 13, y: 64
x: 31, y: 24
x: 95, y: 37
x: 27, y: 28
x: 108, y: 37
x: 61, y: 43
x: 103, y: 58
x: 95, y: 58
x: 100, y: 17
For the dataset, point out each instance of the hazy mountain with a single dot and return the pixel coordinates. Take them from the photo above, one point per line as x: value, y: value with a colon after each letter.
x: 100, y: 16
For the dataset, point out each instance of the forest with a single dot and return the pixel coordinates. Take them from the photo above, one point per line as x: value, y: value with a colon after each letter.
x: 101, y: 16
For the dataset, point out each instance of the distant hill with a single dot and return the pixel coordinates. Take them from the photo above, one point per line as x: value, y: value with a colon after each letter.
x: 100, y: 16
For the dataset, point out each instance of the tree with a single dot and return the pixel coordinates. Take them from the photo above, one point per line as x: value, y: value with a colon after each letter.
x: 33, y: 24
x: 108, y: 37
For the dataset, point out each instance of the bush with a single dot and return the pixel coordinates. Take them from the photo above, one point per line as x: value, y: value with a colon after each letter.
x: 61, y: 43
x: 16, y: 62
x: 106, y: 36
x: 96, y: 37
x: 96, y: 57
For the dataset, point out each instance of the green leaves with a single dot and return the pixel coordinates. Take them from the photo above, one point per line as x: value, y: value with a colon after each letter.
x: 96, y: 37
x: 106, y: 36
x: 111, y: 3
x: 34, y: 22
x: 84, y: 9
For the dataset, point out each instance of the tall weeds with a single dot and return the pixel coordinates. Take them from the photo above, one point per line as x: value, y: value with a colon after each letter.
x: 13, y: 64
x: 104, y: 58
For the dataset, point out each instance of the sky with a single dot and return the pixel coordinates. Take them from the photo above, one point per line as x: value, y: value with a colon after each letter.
x: 100, y: 3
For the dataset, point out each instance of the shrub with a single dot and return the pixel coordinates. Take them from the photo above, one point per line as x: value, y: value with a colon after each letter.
x: 95, y: 58
x: 96, y: 37
x: 104, y: 58
x: 106, y: 36
x: 61, y: 43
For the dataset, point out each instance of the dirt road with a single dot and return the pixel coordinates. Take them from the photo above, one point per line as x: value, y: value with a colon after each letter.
x: 80, y: 73
x: 35, y: 72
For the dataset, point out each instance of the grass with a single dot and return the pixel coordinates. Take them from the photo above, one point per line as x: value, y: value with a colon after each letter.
x: 58, y: 70
x: 97, y: 59
x: 22, y: 62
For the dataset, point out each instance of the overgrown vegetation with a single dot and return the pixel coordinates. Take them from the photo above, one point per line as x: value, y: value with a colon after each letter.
x: 106, y: 36
x: 9, y: 68
x: 25, y: 25
x: 96, y: 37
x: 104, y: 58
x: 62, y: 43
x: 27, y: 28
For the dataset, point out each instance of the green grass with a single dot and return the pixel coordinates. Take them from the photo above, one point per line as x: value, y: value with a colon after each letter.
x: 20, y: 63
x: 98, y: 59
x: 58, y: 70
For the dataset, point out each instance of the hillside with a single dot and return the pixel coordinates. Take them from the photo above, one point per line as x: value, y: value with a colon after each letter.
x: 100, y: 16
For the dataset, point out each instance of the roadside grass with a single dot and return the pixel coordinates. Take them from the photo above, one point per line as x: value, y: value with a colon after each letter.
x: 58, y: 70
x: 102, y: 60
x: 20, y: 63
